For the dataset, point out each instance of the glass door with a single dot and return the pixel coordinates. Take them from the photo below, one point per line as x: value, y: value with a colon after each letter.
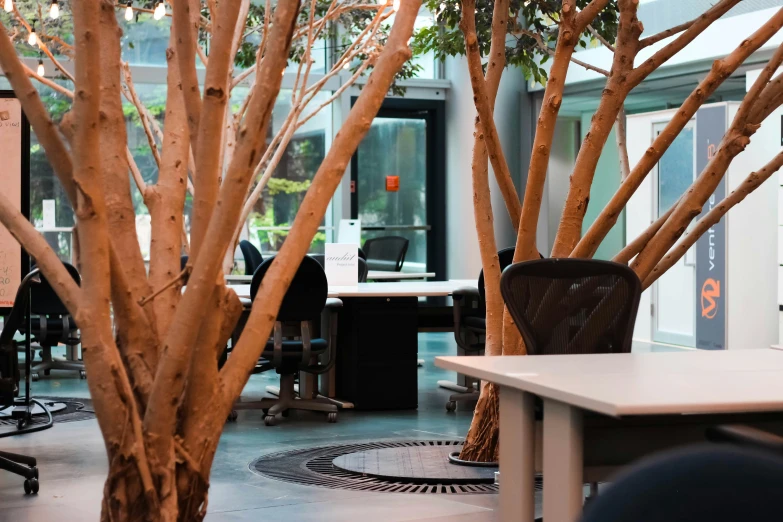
x: 398, y: 186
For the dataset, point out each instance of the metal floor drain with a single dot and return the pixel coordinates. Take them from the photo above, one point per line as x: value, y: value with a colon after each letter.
x: 313, y: 467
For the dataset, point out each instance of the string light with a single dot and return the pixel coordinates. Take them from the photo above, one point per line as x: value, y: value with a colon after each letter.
x: 129, y: 12
x: 33, y: 38
x: 41, y: 70
x: 8, y: 5
x: 54, y: 10
x: 160, y: 11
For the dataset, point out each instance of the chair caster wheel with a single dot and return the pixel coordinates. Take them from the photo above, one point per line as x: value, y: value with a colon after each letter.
x: 269, y: 420
x: 34, y: 376
x: 31, y: 486
x: 82, y: 374
x: 232, y: 417
x: 451, y: 406
x: 332, y: 417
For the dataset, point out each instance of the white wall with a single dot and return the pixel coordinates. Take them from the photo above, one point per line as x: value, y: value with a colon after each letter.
x: 463, y: 256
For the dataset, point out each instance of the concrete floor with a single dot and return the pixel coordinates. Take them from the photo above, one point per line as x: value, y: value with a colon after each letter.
x: 72, y: 461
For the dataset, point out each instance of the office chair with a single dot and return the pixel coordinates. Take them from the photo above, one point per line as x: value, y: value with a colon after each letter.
x: 470, y: 328
x: 715, y: 483
x: 386, y: 253
x: 294, y: 346
x: 51, y: 323
x: 252, y: 256
x: 572, y: 306
x: 321, y: 258
x: 22, y: 465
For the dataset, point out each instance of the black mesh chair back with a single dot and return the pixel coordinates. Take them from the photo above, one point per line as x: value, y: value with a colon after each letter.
x: 572, y: 306
x: 9, y: 356
x: 321, y: 258
x: 386, y: 253
x: 252, y: 256
x: 362, y: 254
x: 44, y: 300
x: 305, y: 298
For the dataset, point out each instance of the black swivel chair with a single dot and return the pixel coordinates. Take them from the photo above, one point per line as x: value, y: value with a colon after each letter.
x: 386, y: 253
x: 572, y: 306
x: 703, y: 483
x: 470, y: 329
x: 252, y: 256
x: 362, y: 265
x: 294, y: 346
x: 22, y: 465
x: 51, y: 324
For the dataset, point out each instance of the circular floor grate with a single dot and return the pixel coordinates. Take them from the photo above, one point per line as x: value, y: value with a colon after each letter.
x: 314, y: 467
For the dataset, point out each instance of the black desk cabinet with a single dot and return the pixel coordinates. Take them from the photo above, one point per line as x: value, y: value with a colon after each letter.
x: 377, y: 347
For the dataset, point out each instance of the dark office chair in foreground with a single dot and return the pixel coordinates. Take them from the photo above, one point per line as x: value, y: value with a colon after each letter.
x: 572, y: 306
x: 470, y: 328
x: 386, y: 253
x: 22, y: 465
x: 252, y: 256
x: 294, y: 346
x: 699, y: 484
x: 362, y: 265
x: 51, y: 324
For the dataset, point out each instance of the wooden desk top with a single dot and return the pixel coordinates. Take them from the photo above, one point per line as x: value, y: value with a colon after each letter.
x: 692, y: 382
x: 397, y: 289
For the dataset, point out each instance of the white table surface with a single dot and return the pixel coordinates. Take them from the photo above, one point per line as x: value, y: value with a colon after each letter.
x: 377, y: 275
x: 670, y: 383
x: 723, y: 381
x: 396, y: 289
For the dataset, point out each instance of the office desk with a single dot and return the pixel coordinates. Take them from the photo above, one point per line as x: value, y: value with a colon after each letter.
x: 375, y: 275
x: 377, y: 341
x: 647, y: 402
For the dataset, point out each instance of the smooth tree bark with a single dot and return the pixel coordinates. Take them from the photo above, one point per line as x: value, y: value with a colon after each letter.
x: 160, y: 399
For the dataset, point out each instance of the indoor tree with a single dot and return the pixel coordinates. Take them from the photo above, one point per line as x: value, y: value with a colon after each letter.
x: 159, y: 396
x: 665, y: 241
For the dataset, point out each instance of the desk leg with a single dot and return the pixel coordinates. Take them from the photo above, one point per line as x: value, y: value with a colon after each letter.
x: 563, y: 462
x: 517, y: 456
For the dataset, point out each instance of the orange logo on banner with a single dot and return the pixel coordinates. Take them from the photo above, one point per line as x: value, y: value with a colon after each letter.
x: 392, y: 183
x: 710, y: 292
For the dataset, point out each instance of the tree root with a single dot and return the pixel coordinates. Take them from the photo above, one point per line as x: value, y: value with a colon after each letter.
x: 483, y: 441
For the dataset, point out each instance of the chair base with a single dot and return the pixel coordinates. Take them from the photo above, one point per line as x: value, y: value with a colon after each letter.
x: 21, y: 465
x: 465, y: 394
x: 49, y: 363
x: 287, y: 401
x: 341, y: 404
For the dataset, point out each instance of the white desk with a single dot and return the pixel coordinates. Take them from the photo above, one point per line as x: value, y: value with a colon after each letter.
x: 698, y: 383
x: 396, y: 289
x: 375, y: 275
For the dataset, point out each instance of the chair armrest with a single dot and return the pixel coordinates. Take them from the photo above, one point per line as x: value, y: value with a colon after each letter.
x: 333, y: 302
x: 465, y: 291
x: 746, y: 436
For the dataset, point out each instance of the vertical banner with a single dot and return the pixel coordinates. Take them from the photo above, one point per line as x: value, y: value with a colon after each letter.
x: 11, y: 131
x: 711, y: 125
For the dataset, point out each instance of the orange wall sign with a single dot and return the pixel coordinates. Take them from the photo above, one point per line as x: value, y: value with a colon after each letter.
x: 392, y: 183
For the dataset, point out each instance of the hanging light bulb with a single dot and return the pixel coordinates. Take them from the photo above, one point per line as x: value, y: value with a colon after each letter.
x: 33, y: 38
x: 129, y: 12
x: 396, y: 5
x: 41, y: 71
x: 8, y: 5
x: 54, y: 10
x: 160, y: 11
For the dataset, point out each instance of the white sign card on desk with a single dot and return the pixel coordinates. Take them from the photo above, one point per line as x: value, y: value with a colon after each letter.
x: 11, y: 135
x: 342, y: 264
x: 49, y: 214
x: 350, y: 231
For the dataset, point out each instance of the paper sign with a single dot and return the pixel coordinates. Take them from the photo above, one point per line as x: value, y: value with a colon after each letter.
x: 10, y: 178
x: 342, y: 264
x: 392, y: 183
x: 48, y: 214
x: 350, y: 231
